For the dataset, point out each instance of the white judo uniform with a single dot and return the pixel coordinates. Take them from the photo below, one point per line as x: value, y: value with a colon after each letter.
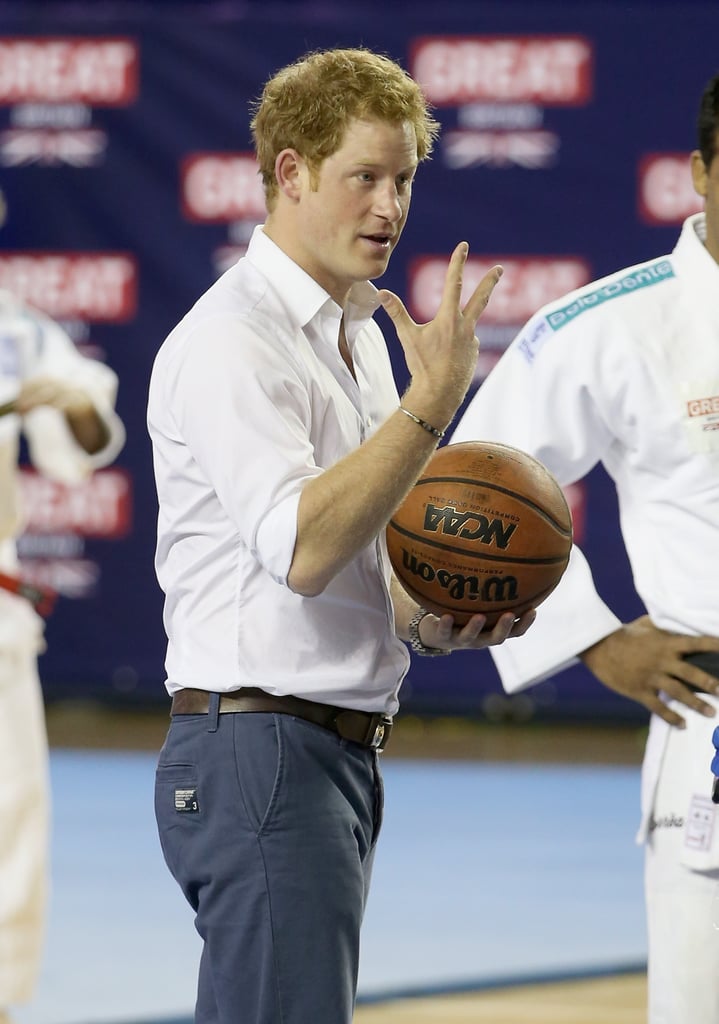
x: 32, y: 346
x: 625, y: 372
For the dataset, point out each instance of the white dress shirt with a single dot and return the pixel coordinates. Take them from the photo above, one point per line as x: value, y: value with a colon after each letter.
x: 249, y: 399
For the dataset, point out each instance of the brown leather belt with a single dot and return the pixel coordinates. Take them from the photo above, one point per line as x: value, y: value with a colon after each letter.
x: 363, y: 727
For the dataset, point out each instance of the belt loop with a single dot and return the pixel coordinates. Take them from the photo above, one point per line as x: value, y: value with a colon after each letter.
x: 213, y: 712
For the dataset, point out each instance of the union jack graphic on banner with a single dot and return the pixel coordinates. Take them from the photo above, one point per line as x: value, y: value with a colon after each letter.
x: 83, y: 147
x: 530, y: 149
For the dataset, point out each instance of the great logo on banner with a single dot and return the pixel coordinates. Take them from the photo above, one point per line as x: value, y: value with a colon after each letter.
x: 51, y: 85
x: 59, y: 519
x: 223, y: 188
x: 73, y: 287
x: 500, y: 86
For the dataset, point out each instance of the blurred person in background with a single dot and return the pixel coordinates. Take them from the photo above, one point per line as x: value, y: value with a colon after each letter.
x: 63, y: 404
x: 281, y: 451
x: 625, y: 372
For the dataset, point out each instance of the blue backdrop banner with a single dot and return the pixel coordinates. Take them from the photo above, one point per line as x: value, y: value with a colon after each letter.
x: 128, y: 184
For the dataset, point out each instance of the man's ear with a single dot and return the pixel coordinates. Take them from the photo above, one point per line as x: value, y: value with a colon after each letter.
x: 700, y: 174
x: 290, y: 171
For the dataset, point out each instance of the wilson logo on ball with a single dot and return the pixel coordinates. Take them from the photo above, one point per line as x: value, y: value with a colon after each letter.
x: 486, y: 529
x: 460, y: 587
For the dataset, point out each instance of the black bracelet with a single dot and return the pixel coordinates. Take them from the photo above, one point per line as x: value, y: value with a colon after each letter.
x: 423, y: 423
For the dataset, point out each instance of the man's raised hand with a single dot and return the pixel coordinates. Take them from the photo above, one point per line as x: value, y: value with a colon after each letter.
x: 441, y: 355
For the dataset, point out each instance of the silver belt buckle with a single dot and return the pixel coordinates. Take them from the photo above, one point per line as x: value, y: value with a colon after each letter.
x: 382, y: 728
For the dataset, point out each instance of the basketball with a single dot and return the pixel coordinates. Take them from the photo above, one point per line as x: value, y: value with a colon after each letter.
x: 485, y: 530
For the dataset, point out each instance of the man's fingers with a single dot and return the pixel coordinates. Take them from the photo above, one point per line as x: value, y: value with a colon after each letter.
x: 701, y: 645
x: 691, y: 699
x: 474, y: 634
x: 452, y: 293
x: 683, y: 676
x: 658, y: 707
x: 395, y: 310
x: 454, y: 281
x: 481, y: 294
x: 690, y: 675
x: 501, y: 630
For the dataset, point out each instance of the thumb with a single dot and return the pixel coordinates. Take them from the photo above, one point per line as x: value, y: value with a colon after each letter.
x: 395, y: 309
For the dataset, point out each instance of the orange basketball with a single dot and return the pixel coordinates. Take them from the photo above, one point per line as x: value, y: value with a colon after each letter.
x: 486, y: 529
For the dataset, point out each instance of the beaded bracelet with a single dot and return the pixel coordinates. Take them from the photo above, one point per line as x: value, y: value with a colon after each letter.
x: 423, y: 423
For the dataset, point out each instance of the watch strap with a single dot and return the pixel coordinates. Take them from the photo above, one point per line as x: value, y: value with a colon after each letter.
x: 415, y: 641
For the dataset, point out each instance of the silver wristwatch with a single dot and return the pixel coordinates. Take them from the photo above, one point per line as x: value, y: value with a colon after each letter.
x: 415, y: 641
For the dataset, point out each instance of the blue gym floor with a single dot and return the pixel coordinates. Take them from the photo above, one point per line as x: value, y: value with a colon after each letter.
x: 485, y: 873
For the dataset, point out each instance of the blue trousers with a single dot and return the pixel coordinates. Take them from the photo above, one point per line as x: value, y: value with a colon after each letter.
x: 269, y: 824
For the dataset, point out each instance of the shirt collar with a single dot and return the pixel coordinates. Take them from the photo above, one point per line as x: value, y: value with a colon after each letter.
x: 691, y: 247
x: 699, y: 223
x: 302, y: 296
